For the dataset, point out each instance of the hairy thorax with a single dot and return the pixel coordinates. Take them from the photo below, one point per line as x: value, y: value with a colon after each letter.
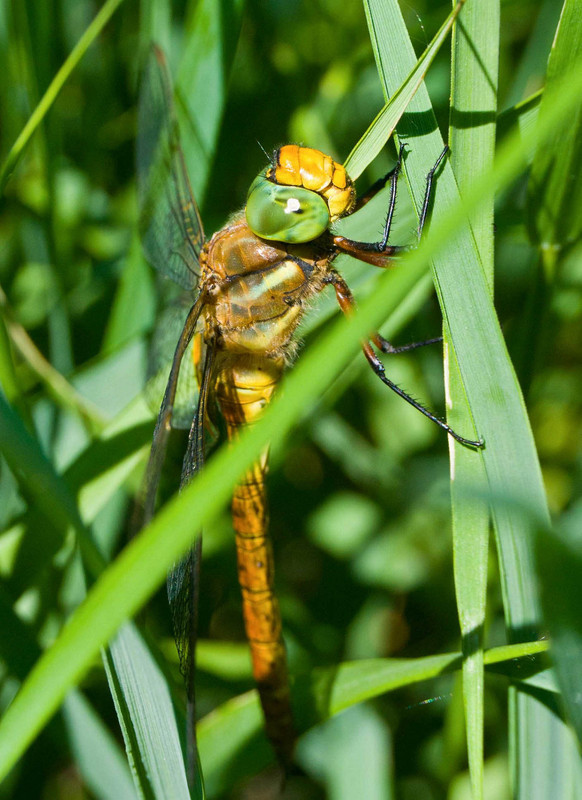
x: 258, y: 289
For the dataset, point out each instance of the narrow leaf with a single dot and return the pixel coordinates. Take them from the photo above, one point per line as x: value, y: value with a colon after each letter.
x: 472, y: 142
x: 145, y: 712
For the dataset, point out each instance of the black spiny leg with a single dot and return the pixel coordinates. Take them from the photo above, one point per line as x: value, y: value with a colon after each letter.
x: 382, y: 344
x: 376, y: 253
x: 380, y: 253
x: 379, y: 370
x: 378, y: 185
x: 346, y: 303
x: 385, y: 347
x: 428, y: 190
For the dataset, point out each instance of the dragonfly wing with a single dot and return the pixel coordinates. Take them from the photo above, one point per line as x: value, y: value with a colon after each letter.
x: 170, y: 225
x: 169, y: 324
x: 146, y: 505
x: 183, y: 579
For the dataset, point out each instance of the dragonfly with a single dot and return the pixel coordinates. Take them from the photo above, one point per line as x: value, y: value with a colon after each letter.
x: 249, y: 285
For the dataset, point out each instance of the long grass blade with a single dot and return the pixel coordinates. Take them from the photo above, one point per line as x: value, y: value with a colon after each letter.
x: 472, y: 140
x: 517, y: 495
x: 144, y: 708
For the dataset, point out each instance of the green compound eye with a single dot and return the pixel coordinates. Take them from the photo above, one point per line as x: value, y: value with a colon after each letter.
x: 285, y: 213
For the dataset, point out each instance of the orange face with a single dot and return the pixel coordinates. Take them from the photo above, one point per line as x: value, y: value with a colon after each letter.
x: 312, y: 169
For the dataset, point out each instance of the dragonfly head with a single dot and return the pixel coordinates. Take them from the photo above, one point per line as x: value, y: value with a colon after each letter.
x: 285, y: 213
x: 298, y: 196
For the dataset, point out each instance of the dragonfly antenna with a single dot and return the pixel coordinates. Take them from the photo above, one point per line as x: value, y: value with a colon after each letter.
x: 267, y: 156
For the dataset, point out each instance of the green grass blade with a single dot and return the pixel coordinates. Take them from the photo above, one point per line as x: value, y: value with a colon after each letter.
x: 142, y: 566
x: 510, y: 460
x: 383, y: 126
x: 231, y: 731
x: 40, y: 480
x: 49, y: 97
x: 98, y: 756
x: 472, y: 140
x: 554, y: 221
x: 555, y: 189
x: 145, y: 712
x: 203, y: 81
x: 357, y: 681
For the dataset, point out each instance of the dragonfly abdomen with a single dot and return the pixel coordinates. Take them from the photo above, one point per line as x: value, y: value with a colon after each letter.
x: 244, y: 387
x: 261, y: 609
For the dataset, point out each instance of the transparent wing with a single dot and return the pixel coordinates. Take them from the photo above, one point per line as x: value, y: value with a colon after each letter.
x: 183, y: 579
x: 169, y: 324
x: 145, y: 507
x: 170, y: 225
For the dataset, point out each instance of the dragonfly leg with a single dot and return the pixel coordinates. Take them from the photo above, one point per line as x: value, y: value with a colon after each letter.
x: 376, y: 253
x: 379, y: 370
x: 428, y: 190
x: 381, y: 182
x: 379, y: 254
x: 386, y: 347
x: 347, y: 304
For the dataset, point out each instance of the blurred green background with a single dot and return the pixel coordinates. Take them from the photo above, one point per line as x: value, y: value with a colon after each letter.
x: 360, y: 495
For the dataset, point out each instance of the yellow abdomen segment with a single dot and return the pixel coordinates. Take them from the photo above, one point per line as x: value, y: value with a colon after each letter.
x: 244, y: 387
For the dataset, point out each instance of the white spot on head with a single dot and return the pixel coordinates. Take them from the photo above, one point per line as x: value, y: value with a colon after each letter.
x: 293, y: 205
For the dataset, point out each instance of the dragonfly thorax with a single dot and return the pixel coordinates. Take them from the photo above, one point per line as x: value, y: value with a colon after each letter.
x: 259, y: 290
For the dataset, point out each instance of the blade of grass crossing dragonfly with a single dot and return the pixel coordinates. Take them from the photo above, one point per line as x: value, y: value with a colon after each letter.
x: 475, y: 55
x: 142, y: 566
